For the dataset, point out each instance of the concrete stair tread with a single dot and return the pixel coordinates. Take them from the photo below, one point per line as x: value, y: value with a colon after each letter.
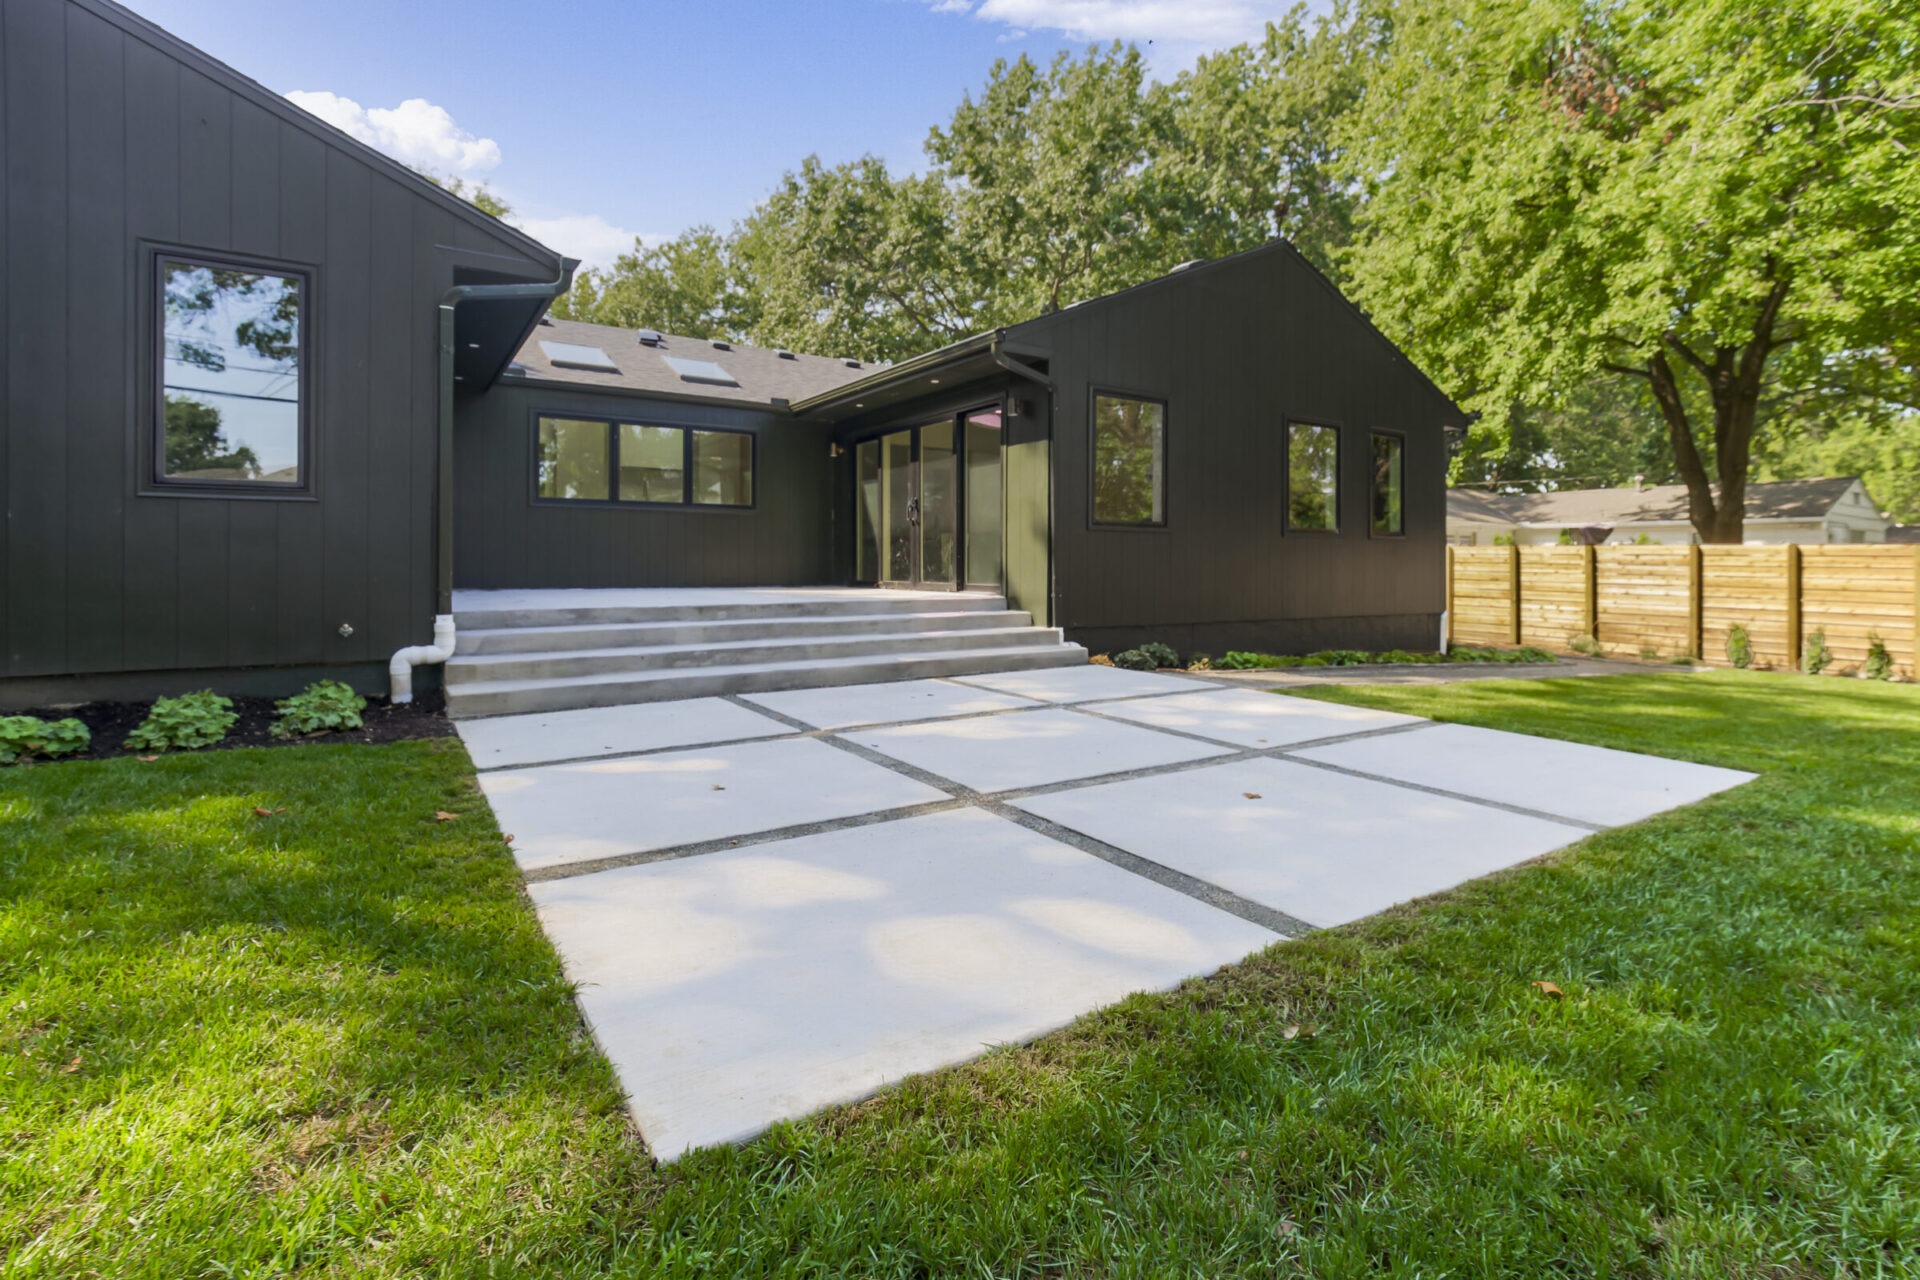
x: 506, y: 697
x: 904, y: 638
x: 576, y: 637
x: 745, y: 610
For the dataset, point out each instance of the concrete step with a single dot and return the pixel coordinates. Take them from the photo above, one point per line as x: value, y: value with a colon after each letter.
x: 874, y: 602
x: 555, y: 639
x: 573, y: 664
x: 467, y: 701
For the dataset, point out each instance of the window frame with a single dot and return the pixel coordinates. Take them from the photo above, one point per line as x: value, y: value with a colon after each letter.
x: 1095, y: 392
x: 1400, y: 438
x: 1286, y: 478
x: 613, y: 500
x: 152, y: 453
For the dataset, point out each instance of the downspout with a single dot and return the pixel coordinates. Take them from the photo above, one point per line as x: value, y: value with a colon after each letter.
x: 400, y: 669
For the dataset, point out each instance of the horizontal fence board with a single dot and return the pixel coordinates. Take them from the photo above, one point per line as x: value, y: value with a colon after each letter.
x: 1643, y: 600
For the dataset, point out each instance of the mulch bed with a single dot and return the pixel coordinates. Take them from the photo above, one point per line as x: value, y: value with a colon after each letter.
x: 111, y: 722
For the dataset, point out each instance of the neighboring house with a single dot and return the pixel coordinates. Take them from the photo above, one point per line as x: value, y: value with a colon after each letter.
x: 1903, y: 533
x: 1829, y: 510
x: 270, y: 397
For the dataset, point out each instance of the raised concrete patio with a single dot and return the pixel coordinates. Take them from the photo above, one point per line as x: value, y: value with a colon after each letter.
x: 777, y: 902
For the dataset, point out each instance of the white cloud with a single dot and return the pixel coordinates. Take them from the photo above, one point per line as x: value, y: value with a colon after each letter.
x: 417, y: 133
x: 1184, y: 26
x: 586, y: 236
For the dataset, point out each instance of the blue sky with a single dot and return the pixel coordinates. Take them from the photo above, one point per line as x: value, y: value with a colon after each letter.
x: 599, y: 120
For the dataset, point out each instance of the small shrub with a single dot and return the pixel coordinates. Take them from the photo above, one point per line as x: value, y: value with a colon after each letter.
x: 1314, y: 660
x: 1815, y: 657
x: 1342, y: 657
x: 1163, y: 655
x: 1739, y: 647
x: 1199, y: 662
x: 24, y: 737
x: 1241, y: 660
x: 1585, y: 646
x: 1134, y: 660
x: 1100, y: 660
x: 1879, y: 663
x: 188, y: 721
x: 1503, y: 540
x: 325, y: 706
x: 1648, y: 653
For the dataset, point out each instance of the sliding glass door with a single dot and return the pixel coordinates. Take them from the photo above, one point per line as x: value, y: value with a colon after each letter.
x: 908, y: 488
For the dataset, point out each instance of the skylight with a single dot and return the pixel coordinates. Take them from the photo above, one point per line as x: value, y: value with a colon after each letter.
x: 701, y: 371
x: 570, y: 355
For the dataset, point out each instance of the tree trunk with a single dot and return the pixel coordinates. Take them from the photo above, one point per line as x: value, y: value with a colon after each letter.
x: 1733, y: 379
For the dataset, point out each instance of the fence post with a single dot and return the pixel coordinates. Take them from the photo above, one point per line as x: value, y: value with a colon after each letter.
x: 1793, y: 606
x: 1696, y: 640
x: 1513, y: 592
x: 1448, y: 604
x: 1590, y: 584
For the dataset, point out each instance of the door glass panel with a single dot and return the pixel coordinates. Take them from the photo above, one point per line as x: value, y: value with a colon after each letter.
x: 896, y: 492
x: 983, y: 498
x: 866, y: 516
x: 939, y: 504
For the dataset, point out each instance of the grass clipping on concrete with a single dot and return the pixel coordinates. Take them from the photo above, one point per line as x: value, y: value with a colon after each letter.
x: 331, y: 1041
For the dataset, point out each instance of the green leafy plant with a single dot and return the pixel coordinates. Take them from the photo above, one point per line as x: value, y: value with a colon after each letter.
x: 1163, y: 655
x: 1739, y: 647
x: 1879, y: 663
x: 24, y: 737
x: 1815, y: 657
x: 188, y: 721
x: 1503, y: 540
x: 1135, y: 660
x: 325, y: 706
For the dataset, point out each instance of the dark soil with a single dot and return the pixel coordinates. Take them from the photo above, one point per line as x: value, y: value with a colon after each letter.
x: 111, y: 722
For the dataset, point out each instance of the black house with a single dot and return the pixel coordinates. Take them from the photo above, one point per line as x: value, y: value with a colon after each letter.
x: 267, y: 398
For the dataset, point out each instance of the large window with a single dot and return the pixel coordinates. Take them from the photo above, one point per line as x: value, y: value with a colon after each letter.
x: 232, y: 347
x: 1129, y: 461
x: 1389, y: 515
x: 593, y: 460
x: 1313, y: 478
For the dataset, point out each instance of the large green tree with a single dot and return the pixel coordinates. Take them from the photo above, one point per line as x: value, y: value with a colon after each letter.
x: 1051, y: 185
x: 1716, y: 198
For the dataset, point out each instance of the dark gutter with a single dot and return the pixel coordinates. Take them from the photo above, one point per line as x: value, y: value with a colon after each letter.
x: 450, y: 301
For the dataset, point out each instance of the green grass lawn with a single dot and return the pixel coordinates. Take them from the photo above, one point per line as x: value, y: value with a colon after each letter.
x: 331, y: 1041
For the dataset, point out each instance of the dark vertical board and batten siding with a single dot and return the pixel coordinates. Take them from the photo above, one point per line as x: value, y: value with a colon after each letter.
x: 113, y: 140
x: 1238, y: 348
x: 504, y: 538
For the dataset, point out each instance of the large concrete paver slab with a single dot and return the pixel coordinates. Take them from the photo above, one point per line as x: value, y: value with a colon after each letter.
x: 606, y: 731
x: 1323, y: 847
x: 1567, y: 779
x: 1249, y: 718
x: 848, y: 706
x: 753, y: 985
x: 1031, y: 749
x: 605, y: 808
x: 1085, y: 684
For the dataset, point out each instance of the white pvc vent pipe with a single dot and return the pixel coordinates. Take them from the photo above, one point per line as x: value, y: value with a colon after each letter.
x: 400, y: 670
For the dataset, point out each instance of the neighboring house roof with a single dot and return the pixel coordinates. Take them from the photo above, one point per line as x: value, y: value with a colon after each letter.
x: 1903, y: 533
x: 179, y: 50
x: 761, y: 376
x: 1665, y: 503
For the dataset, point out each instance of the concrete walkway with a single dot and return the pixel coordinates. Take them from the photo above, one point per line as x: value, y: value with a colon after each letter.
x: 774, y: 903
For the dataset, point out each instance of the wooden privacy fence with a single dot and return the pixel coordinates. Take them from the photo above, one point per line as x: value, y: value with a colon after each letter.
x: 1639, y: 601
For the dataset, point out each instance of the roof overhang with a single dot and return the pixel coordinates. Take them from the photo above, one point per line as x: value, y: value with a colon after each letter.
x: 983, y: 355
x: 491, y: 320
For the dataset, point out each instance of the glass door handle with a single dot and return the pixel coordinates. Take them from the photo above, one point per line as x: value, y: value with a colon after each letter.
x: 913, y: 510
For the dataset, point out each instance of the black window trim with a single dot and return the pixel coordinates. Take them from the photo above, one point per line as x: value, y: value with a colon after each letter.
x: 1286, y: 480
x: 1374, y: 433
x: 613, y: 501
x: 1094, y: 392
x: 151, y: 450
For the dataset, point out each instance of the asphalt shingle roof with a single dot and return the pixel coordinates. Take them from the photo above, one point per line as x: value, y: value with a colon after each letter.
x: 1775, y: 499
x: 763, y: 375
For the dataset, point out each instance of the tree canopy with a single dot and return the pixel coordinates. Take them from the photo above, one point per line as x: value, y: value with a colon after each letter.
x: 1715, y: 198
